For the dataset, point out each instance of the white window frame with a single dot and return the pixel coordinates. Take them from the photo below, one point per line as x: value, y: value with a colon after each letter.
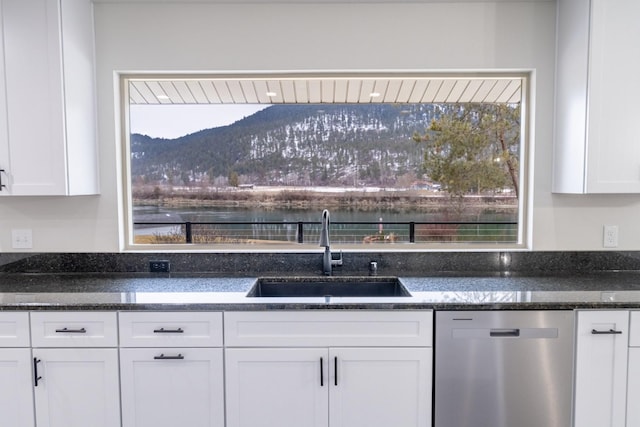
x: 525, y: 168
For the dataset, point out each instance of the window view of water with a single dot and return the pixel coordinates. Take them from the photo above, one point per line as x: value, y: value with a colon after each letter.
x: 389, y: 172
x: 303, y: 225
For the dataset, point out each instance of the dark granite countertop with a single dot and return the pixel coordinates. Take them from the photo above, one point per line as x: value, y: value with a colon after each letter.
x: 204, y: 291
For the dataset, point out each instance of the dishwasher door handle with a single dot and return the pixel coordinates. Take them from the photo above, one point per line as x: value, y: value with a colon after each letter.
x: 499, y: 333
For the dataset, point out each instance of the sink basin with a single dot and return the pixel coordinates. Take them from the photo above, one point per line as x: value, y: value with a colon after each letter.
x: 328, y: 286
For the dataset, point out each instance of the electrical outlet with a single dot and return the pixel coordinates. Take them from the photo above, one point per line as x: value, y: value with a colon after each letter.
x: 22, y: 239
x: 159, y: 266
x: 610, y: 238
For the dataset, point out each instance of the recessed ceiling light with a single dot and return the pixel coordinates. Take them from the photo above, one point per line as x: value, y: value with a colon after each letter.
x: 374, y: 94
x: 162, y: 97
x: 272, y: 94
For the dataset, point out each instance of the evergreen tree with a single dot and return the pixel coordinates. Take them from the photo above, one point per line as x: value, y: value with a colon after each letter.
x: 473, y: 148
x: 234, y: 180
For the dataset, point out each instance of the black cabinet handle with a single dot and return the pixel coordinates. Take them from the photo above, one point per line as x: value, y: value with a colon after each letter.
x: 35, y: 371
x: 71, y: 331
x: 335, y: 370
x: 321, y: 372
x: 609, y: 332
x: 168, y: 331
x: 163, y: 357
x: 1, y: 184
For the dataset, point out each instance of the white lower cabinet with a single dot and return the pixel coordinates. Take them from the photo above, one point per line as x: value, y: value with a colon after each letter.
x: 16, y: 394
x: 172, y: 387
x: 168, y: 369
x: 601, y: 368
x: 75, y: 369
x: 633, y: 388
x: 171, y: 368
x: 633, y: 375
x: 337, y: 387
x: 16, y: 383
x: 284, y: 387
x: 380, y: 387
x: 76, y: 387
x: 330, y: 385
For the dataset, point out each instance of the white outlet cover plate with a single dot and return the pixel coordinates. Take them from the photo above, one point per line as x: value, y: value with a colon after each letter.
x: 22, y: 239
x: 610, y: 238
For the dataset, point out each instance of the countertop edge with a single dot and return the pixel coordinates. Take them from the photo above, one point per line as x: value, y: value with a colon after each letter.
x: 333, y: 306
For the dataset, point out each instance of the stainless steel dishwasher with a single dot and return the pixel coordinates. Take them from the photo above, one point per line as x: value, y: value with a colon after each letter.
x: 503, y: 368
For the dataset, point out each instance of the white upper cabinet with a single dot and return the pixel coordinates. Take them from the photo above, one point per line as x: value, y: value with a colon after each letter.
x: 4, y: 133
x: 596, y: 144
x: 47, y: 112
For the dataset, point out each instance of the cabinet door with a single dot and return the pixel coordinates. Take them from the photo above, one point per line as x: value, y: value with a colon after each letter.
x: 601, y: 368
x: 613, y: 139
x: 633, y: 388
x: 172, y: 387
x: 283, y: 387
x: 33, y: 72
x: 49, y: 98
x: 16, y: 396
x: 380, y: 387
x: 77, y: 388
x: 4, y: 131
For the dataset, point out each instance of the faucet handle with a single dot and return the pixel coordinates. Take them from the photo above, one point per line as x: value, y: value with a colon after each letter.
x: 337, y: 262
x: 373, y: 268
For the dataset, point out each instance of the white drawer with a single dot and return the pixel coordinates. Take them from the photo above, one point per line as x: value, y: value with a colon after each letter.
x: 74, y: 329
x: 14, y: 329
x: 634, y: 329
x: 329, y: 328
x: 170, y: 329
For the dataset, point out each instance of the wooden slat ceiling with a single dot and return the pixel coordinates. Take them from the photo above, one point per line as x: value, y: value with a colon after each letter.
x: 325, y: 90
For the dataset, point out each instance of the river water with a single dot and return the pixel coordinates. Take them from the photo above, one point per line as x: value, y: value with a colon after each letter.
x: 281, y: 224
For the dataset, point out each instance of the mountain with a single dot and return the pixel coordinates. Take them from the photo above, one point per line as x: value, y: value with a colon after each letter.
x: 334, y: 144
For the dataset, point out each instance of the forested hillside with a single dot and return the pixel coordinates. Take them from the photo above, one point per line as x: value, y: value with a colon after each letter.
x: 293, y: 145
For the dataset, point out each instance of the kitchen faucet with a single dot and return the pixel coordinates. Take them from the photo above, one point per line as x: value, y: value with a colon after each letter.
x: 327, y: 260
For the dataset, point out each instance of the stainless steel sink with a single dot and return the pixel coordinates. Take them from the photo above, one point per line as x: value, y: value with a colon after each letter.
x: 308, y: 287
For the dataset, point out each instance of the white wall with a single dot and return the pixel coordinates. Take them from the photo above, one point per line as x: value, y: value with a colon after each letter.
x: 227, y: 37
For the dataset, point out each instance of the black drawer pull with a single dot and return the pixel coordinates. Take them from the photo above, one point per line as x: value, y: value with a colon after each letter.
x: 1, y: 184
x: 504, y: 333
x: 71, y: 331
x: 335, y: 370
x: 35, y: 371
x: 321, y: 372
x: 609, y: 332
x: 163, y: 357
x: 168, y: 331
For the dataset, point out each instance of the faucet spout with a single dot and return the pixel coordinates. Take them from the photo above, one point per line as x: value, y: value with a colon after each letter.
x: 327, y: 259
x: 324, y: 233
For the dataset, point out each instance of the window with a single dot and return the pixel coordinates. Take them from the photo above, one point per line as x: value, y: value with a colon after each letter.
x: 400, y: 161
